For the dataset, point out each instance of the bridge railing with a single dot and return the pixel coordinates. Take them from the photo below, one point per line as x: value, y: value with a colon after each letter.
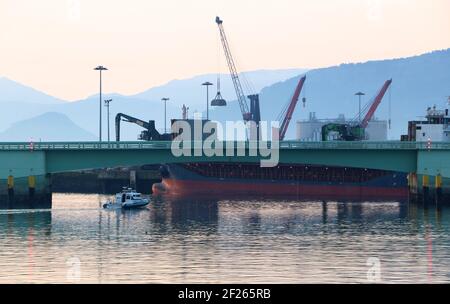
x: 27, y: 146
x: 363, y: 145
x: 84, y: 145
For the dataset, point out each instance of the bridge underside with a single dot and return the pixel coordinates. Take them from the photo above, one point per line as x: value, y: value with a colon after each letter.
x: 393, y: 160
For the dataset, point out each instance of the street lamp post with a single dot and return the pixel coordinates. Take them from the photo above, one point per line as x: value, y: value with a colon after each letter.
x: 107, y: 101
x: 207, y: 84
x: 100, y: 68
x: 165, y: 99
x: 359, y: 94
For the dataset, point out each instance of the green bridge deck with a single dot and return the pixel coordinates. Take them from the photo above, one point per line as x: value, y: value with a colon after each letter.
x: 24, y: 159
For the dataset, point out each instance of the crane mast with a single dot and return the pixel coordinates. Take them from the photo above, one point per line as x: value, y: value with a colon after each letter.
x: 291, y: 108
x: 246, y: 114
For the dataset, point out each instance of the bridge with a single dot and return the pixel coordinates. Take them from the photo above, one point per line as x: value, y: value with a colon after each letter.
x: 33, y: 163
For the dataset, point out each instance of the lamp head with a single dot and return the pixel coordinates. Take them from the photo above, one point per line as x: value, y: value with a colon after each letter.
x: 100, y: 68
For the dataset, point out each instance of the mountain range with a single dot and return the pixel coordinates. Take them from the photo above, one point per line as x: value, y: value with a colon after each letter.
x: 49, y: 126
x: 12, y: 91
x: 146, y: 105
x: 418, y: 82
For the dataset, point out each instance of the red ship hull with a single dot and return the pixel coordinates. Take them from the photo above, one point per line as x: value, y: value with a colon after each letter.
x: 316, y: 192
x: 185, y: 182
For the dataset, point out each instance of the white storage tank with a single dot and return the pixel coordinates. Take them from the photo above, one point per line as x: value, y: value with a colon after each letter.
x: 311, y: 129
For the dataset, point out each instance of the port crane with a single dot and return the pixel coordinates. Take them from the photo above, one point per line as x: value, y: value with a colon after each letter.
x: 150, y: 132
x: 253, y: 112
x: 355, y: 130
x: 289, y: 110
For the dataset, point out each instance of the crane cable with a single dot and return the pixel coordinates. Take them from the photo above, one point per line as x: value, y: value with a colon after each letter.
x: 247, y: 83
x: 364, y: 109
x: 284, y: 110
x: 248, y: 86
x: 218, y: 63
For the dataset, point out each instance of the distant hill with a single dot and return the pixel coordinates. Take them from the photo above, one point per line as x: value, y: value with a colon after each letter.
x: 11, y: 91
x: 145, y: 106
x: 46, y: 127
x: 418, y: 82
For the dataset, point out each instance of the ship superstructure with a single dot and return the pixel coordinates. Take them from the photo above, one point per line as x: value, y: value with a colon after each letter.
x: 435, y: 127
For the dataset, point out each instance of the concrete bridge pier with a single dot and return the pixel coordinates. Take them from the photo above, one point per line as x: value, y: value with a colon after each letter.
x: 32, y: 192
x: 415, y: 194
x: 438, y: 194
x: 430, y: 189
x: 412, y: 184
x: 425, y: 188
x: 24, y: 180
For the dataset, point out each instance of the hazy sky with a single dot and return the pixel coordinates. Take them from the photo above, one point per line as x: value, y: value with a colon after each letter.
x: 53, y: 45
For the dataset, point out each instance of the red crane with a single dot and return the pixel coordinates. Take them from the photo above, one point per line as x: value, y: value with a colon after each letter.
x: 290, y: 109
x: 376, y: 102
x: 355, y: 130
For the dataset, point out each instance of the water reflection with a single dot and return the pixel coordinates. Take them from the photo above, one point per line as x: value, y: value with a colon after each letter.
x: 225, y: 241
x: 21, y: 223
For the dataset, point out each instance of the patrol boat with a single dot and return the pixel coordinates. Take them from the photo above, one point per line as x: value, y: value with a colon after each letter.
x: 127, y: 199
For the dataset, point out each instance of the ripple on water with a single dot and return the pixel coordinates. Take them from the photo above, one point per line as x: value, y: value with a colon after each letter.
x: 223, y: 242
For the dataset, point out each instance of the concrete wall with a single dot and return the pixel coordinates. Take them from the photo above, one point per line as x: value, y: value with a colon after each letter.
x: 22, y: 163
x: 24, y: 183
x: 377, y: 130
x: 107, y: 181
x: 25, y: 195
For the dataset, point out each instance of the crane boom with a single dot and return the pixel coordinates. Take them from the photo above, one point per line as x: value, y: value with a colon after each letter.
x: 291, y: 108
x: 128, y: 118
x: 234, y: 74
x: 375, y: 104
x: 150, y: 132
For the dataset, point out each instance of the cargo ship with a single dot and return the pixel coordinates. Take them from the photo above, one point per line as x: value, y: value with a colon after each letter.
x: 299, y: 181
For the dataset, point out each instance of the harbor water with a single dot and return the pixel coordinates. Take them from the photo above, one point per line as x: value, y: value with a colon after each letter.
x: 227, y: 241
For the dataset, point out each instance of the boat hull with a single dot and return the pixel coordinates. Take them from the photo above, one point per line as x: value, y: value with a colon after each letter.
x: 179, y: 180
x: 131, y: 205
